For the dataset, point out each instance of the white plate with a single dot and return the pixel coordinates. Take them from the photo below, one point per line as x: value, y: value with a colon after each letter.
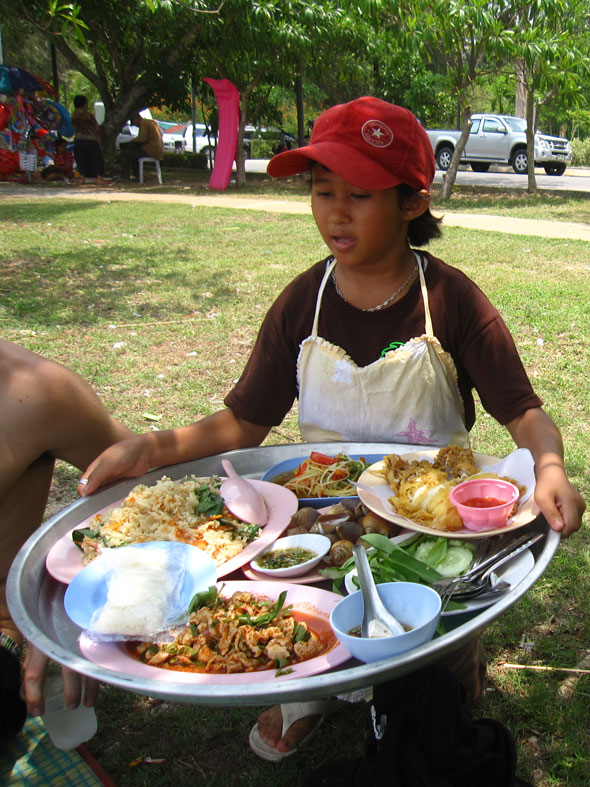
x: 64, y: 559
x: 513, y: 572
x: 518, y: 465
x: 88, y: 590
x: 308, y: 600
x: 314, y: 542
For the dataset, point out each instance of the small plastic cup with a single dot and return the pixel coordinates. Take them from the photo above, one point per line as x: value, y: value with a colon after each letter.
x: 67, y: 728
x: 480, y: 492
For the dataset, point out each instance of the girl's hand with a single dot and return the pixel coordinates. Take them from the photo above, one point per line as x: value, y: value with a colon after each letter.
x: 560, y: 503
x: 126, y: 459
x: 76, y: 687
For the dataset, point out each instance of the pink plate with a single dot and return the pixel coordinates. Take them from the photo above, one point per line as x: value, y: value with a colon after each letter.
x: 314, y: 602
x: 64, y: 559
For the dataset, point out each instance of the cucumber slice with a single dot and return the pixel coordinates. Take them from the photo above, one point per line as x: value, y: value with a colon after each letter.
x: 432, y: 551
x: 455, y: 562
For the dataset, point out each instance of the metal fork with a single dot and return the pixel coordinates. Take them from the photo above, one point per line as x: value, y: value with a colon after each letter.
x: 507, y: 552
x: 476, y: 581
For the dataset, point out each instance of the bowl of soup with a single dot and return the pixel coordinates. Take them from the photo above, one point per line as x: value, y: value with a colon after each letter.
x: 416, y: 606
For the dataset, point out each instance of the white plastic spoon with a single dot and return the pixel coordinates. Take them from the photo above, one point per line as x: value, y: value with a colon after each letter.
x: 377, y: 621
x: 241, y: 498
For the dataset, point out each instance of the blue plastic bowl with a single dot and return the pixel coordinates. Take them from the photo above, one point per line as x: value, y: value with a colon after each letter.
x: 414, y: 605
x: 314, y: 502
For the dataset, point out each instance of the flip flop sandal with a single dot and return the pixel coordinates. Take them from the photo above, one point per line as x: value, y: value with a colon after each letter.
x: 291, y: 711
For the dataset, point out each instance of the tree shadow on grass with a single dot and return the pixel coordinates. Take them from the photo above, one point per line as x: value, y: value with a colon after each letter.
x: 89, y: 285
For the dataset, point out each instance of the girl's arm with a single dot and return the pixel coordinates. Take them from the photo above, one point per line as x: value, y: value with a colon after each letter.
x: 560, y: 503
x: 217, y: 433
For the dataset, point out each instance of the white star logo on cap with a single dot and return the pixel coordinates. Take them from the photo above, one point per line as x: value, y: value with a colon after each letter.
x: 377, y: 133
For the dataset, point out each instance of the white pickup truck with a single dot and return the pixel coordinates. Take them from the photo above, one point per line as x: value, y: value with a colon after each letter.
x: 501, y: 139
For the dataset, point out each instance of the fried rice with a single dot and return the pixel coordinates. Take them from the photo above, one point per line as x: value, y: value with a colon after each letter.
x: 167, y: 511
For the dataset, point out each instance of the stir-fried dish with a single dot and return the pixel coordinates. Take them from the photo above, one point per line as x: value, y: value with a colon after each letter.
x: 190, y: 510
x: 325, y: 476
x: 241, y: 633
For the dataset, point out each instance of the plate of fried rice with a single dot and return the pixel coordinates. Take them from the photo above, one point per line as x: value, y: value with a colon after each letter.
x: 294, y: 641
x: 188, y: 511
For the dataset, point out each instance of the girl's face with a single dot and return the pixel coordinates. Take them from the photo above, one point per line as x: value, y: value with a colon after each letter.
x: 359, y: 227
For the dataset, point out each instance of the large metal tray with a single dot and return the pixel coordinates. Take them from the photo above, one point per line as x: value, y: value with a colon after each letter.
x: 36, y: 599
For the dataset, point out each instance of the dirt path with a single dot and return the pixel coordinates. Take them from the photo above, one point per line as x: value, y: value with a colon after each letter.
x: 479, y: 221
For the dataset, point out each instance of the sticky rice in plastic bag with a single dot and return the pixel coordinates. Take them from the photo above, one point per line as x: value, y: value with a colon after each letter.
x: 143, y: 593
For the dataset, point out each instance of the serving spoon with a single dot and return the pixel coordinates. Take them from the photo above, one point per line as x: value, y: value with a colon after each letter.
x: 377, y: 621
x: 241, y: 498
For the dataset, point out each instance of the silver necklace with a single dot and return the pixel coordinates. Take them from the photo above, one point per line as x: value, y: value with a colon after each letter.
x: 385, y: 303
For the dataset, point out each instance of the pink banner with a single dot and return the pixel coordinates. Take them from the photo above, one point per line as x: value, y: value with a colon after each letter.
x: 228, y: 105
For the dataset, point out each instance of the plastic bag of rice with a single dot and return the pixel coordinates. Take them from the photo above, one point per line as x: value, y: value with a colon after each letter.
x: 142, y: 591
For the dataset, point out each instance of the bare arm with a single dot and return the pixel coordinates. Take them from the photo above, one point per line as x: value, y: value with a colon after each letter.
x: 560, y: 503
x: 219, y: 432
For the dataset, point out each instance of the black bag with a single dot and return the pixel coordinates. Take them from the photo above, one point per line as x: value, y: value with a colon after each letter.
x: 425, y: 736
x: 13, y: 710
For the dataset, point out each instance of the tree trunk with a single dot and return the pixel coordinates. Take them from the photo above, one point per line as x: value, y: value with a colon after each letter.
x: 300, y: 117
x: 240, y: 159
x: 451, y: 174
x: 521, y: 93
x: 530, y: 141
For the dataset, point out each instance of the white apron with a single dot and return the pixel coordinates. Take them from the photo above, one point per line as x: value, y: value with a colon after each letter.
x: 410, y: 395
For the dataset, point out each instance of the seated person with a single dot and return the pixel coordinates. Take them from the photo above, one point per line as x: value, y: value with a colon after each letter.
x: 48, y: 412
x: 63, y: 163
x: 147, y: 143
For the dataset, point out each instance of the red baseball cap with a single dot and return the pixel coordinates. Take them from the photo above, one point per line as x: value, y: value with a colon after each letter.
x: 368, y: 142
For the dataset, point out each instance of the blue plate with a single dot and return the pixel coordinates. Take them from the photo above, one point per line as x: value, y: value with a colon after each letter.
x: 315, y: 502
x: 88, y: 590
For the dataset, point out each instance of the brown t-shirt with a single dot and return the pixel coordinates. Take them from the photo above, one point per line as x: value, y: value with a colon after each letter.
x: 464, y: 321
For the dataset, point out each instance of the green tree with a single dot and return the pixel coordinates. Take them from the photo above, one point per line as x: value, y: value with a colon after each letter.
x: 259, y: 46
x: 549, y: 50
x: 133, y: 56
x: 469, y: 40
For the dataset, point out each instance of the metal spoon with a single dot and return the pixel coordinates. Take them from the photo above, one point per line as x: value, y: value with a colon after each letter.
x: 241, y: 498
x: 377, y: 621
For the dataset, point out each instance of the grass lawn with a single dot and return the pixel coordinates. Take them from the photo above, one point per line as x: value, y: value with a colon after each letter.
x: 158, y: 306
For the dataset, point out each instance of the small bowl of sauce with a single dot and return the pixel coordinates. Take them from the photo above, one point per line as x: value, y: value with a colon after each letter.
x: 292, y: 556
x: 484, y: 503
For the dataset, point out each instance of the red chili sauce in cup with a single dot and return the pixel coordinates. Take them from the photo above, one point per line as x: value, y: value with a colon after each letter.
x: 483, y: 502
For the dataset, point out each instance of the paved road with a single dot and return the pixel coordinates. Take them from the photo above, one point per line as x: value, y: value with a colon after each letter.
x: 575, y: 178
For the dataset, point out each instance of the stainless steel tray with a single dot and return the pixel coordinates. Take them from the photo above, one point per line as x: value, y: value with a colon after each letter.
x: 36, y: 599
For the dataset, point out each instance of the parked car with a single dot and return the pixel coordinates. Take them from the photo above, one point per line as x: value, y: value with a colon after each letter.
x: 501, y: 139
x: 127, y: 133
x: 180, y: 139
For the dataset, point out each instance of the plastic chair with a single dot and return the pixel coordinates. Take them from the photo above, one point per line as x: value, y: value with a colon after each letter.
x: 149, y: 160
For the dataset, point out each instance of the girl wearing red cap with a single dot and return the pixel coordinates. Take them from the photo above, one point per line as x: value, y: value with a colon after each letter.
x: 378, y: 342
